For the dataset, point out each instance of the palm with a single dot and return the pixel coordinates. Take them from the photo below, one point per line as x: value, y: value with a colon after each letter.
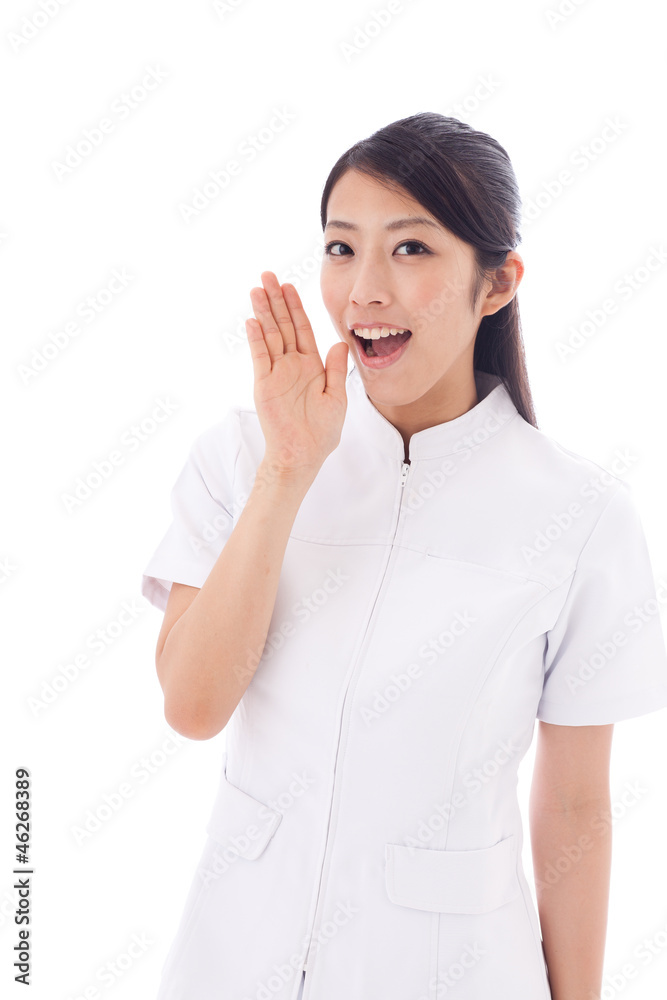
x: 300, y: 404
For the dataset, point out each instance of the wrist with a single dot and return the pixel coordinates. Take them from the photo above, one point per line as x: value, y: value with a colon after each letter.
x: 271, y: 475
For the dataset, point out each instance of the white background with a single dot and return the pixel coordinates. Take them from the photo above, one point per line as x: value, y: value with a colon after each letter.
x: 176, y: 333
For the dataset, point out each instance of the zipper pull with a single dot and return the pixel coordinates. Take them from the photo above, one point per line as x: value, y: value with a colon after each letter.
x: 405, y: 468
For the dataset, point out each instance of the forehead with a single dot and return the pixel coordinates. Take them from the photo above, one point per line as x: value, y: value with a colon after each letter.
x: 359, y: 201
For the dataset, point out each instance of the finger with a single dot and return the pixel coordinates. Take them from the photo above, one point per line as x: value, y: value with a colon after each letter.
x: 270, y: 330
x: 261, y: 359
x: 279, y: 309
x: 305, y: 338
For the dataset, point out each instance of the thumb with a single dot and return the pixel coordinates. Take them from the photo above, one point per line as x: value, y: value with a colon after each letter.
x: 336, y: 367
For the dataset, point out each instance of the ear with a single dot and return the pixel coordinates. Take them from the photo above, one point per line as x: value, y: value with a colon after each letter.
x: 505, y: 282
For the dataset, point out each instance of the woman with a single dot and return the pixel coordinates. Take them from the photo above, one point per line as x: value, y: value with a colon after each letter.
x: 375, y: 583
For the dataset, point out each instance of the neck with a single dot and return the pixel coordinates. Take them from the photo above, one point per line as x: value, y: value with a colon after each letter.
x: 447, y: 399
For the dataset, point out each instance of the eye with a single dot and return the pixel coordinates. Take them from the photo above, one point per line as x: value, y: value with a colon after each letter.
x: 414, y: 243
x: 328, y: 249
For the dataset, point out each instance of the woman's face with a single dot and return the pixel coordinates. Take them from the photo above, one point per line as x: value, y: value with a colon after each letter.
x: 409, y: 275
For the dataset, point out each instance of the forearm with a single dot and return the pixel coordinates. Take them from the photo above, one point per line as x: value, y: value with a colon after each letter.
x: 212, y: 651
x: 572, y: 863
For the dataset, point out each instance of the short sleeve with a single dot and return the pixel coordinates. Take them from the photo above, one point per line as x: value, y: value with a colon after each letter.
x: 202, y: 513
x: 605, y: 657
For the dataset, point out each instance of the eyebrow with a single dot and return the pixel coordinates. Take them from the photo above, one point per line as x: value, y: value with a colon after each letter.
x: 414, y: 220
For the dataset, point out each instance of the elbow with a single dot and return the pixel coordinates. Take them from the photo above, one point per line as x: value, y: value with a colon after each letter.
x: 192, y: 719
x: 192, y: 724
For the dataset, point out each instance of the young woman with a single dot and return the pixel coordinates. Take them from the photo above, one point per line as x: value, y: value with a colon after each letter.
x: 375, y: 582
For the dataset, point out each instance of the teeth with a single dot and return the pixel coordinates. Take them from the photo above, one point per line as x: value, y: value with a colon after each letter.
x: 379, y: 331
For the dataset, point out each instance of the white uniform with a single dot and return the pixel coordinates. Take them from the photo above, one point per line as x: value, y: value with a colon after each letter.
x: 366, y: 825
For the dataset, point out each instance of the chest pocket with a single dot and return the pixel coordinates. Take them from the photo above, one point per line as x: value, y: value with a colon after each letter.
x: 242, y: 824
x: 452, y: 881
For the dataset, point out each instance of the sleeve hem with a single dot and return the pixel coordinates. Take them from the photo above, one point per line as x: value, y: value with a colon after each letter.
x: 156, y: 589
x: 614, y: 710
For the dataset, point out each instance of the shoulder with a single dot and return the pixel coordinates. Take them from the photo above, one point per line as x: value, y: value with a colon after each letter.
x: 554, y: 498
x: 549, y: 466
x: 227, y: 452
x: 225, y: 438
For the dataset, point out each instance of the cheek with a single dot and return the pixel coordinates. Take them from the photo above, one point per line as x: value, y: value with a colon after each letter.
x: 452, y: 293
x: 427, y: 303
x: 440, y: 303
x: 331, y: 292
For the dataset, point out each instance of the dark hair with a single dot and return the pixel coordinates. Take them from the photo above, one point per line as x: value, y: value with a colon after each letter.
x: 465, y: 179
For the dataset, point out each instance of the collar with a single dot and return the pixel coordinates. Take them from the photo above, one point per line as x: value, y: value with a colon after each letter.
x: 492, y: 411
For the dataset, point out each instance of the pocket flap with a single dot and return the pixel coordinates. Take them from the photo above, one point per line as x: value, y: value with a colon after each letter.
x: 240, y: 821
x: 452, y: 881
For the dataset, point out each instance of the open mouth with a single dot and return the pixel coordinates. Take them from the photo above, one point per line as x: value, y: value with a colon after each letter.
x: 384, y: 346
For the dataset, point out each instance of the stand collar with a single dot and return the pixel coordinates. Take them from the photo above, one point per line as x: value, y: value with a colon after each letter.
x: 492, y: 411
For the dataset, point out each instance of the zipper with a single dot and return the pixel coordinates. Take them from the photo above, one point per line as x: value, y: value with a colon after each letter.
x: 405, y: 470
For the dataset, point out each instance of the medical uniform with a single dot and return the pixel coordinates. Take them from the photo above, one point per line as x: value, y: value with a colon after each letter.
x: 366, y: 826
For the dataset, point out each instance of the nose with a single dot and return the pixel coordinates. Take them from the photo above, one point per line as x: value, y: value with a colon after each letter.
x: 369, y: 286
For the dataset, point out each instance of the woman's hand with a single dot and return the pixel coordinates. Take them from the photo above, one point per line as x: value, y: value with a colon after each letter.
x: 301, y: 405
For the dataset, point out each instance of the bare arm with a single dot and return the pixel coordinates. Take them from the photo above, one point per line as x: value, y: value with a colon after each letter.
x: 570, y: 813
x: 212, y: 637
